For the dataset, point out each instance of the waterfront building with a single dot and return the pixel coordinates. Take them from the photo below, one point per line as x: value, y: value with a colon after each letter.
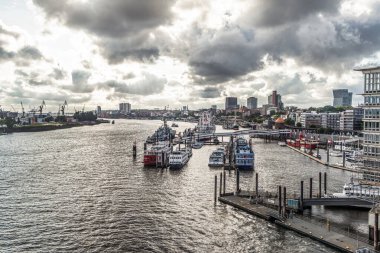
x: 342, y: 97
x: 351, y: 120
x: 330, y: 120
x: 252, y: 103
x: 310, y: 119
x: 231, y: 103
x: 125, y: 108
x: 371, y: 123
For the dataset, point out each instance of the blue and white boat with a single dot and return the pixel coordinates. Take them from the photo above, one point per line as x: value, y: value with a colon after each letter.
x: 244, y: 155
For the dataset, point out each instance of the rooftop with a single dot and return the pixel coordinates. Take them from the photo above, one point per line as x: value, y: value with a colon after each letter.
x: 374, y: 66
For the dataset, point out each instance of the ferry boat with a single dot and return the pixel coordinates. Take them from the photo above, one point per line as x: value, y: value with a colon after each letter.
x: 358, y: 189
x: 157, y: 155
x: 205, y: 127
x: 244, y: 156
x: 178, y: 159
x: 216, y: 158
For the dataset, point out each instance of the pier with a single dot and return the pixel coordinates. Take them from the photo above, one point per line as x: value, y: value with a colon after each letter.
x: 287, y: 212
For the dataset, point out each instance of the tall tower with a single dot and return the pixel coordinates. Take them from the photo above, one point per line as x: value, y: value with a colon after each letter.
x: 371, y: 123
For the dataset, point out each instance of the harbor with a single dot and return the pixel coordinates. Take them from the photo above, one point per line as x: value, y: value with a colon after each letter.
x: 142, y: 196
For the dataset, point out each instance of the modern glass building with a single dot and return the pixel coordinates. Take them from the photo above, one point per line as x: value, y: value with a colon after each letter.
x: 231, y: 103
x: 371, y: 123
x: 342, y: 97
x: 252, y: 103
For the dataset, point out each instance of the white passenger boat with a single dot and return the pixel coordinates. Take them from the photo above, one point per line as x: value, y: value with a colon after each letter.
x: 216, y: 158
x: 358, y: 189
x: 178, y: 159
x: 281, y: 144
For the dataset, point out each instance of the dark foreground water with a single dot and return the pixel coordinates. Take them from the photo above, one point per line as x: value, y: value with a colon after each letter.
x: 79, y: 190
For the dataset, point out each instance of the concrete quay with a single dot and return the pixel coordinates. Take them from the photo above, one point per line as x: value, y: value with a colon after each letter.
x: 322, y: 234
x: 322, y: 162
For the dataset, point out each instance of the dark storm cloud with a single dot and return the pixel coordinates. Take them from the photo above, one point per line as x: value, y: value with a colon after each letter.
x: 5, y: 55
x: 208, y: 92
x: 149, y: 85
x: 310, y: 32
x: 268, y: 13
x: 33, y: 78
x: 228, y: 55
x: 116, y: 23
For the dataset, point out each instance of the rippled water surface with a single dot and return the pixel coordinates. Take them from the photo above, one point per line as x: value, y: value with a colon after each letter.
x: 79, y: 190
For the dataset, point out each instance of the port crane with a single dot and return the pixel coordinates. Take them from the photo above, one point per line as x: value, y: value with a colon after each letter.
x: 41, y: 107
x: 23, y: 110
x: 62, y: 108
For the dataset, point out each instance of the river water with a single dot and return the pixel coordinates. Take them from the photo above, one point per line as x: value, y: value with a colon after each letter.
x: 80, y: 190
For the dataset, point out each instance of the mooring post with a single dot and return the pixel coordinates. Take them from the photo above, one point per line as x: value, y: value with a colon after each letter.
x: 224, y: 182
x: 301, y: 198
x: 328, y: 156
x: 134, y: 150
x: 376, y: 232
x: 344, y: 158
x: 311, y: 188
x: 320, y: 184
x: 284, y: 201
x: 215, y: 188
x: 220, y: 184
x: 144, y: 146
x: 237, y: 181
x: 325, y: 182
x: 257, y: 184
x: 279, y: 200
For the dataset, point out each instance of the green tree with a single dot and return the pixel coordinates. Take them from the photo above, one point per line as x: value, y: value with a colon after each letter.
x: 289, y: 122
x: 298, y: 124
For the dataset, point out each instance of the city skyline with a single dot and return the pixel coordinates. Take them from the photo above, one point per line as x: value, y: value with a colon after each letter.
x: 178, y: 53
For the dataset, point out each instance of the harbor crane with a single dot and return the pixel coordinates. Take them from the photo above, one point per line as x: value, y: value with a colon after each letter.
x: 62, y: 108
x: 41, y: 107
x: 23, y: 110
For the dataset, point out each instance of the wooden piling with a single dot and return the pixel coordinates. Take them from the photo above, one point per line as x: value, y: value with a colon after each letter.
x: 325, y: 183
x: 284, y: 208
x: 301, y: 198
x: 237, y: 181
x: 220, y: 184
x: 134, y: 150
x: 144, y: 146
x: 257, y: 184
x: 215, y: 188
x: 311, y: 188
x: 279, y: 200
x: 376, y: 232
x: 320, y: 184
x: 328, y: 156
x: 224, y: 182
x: 344, y: 158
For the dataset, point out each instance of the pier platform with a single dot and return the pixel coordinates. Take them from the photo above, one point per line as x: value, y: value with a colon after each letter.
x: 320, y: 233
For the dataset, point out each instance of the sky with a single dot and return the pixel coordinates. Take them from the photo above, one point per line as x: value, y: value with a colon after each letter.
x: 157, y: 53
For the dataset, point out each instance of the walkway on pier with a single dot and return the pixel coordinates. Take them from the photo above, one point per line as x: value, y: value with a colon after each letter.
x: 355, y: 202
x: 324, y: 235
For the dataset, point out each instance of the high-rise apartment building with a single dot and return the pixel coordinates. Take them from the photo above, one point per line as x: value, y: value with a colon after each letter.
x: 252, y: 103
x: 330, y: 120
x: 371, y: 123
x: 275, y: 100
x: 125, y: 108
x: 351, y: 120
x: 342, y: 97
x: 231, y: 103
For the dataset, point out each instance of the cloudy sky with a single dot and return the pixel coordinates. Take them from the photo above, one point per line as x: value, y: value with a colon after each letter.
x: 154, y: 53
